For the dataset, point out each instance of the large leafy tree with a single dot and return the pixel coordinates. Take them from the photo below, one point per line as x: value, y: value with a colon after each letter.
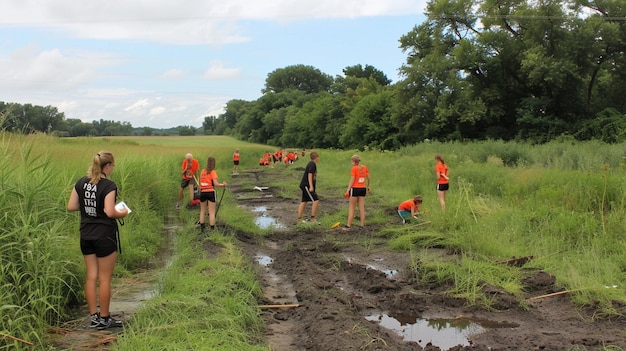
x: 510, y: 68
x: 368, y: 71
x: 299, y: 77
x: 317, y: 124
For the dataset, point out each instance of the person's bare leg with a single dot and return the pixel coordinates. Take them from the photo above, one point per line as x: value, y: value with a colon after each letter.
x: 212, y: 213
x: 91, y: 283
x: 351, y: 206
x: 203, y: 206
x: 105, y: 273
x: 314, y: 210
x: 362, y: 210
x: 190, y: 192
x: 442, y: 199
x: 180, y: 196
x: 301, y: 211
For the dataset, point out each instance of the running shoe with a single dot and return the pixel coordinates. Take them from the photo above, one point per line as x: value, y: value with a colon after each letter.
x: 108, y: 322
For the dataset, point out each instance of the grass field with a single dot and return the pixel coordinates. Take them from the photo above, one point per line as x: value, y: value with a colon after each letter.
x: 562, y: 203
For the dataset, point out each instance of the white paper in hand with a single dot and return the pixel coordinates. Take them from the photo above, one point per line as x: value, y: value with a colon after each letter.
x: 122, y: 205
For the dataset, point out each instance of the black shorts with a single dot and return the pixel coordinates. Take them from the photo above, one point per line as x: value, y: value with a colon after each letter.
x: 236, y: 162
x: 442, y: 187
x: 100, y: 247
x: 357, y: 192
x: 207, y: 196
x: 186, y: 182
x: 307, y: 195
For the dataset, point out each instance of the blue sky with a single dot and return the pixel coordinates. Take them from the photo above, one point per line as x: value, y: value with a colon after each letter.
x: 168, y: 63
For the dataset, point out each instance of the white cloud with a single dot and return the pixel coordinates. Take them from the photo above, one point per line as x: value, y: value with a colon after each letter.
x: 155, y: 111
x: 173, y: 74
x: 138, y: 106
x: 184, y: 22
x: 217, y: 71
x: 31, y: 68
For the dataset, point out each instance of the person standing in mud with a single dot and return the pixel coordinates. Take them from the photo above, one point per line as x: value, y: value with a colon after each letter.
x: 236, y: 158
x: 208, y: 182
x: 94, y: 195
x: 308, y: 187
x: 358, y: 187
x: 441, y: 171
x: 189, y: 167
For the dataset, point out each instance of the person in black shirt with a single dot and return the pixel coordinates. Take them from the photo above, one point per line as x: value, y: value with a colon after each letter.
x: 94, y: 195
x: 308, y: 187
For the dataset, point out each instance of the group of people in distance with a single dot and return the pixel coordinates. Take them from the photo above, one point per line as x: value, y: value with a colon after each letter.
x: 359, y: 187
x: 206, y: 186
x: 280, y: 156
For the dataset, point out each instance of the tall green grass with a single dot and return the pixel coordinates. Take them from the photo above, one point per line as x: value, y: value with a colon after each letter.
x: 206, y: 302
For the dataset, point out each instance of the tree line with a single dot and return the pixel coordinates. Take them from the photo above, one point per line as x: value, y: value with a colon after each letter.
x: 475, y: 69
x: 28, y: 118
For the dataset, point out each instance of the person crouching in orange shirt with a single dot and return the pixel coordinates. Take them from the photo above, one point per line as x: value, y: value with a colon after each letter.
x: 410, y: 207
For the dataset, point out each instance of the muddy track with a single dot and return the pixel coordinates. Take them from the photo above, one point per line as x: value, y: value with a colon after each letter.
x: 347, y: 293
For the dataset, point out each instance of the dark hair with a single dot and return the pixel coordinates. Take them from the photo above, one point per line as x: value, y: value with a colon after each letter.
x: 438, y: 157
x: 210, y: 164
x: 418, y: 199
x: 314, y: 155
x: 99, y: 161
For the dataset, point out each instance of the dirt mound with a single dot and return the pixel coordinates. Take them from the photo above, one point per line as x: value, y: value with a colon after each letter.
x: 340, y: 296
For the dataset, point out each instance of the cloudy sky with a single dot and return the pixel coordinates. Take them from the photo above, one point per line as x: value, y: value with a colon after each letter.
x: 164, y: 63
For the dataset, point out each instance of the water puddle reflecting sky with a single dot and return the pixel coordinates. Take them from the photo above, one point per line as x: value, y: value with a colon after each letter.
x: 443, y: 333
x: 264, y: 221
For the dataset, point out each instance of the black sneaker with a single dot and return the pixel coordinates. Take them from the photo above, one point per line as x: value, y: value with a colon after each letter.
x: 94, y: 320
x: 108, y: 322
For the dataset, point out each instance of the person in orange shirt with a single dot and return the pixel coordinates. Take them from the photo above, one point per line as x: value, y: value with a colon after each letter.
x: 291, y: 157
x: 358, y: 187
x: 441, y: 170
x: 236, y: 157
x: 208, y: 182
x: 189, y: 169
x: 410, y: 207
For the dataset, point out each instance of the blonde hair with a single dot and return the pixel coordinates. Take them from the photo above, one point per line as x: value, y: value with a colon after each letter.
x: 356, y: 159
x: 99, y: 161
x: 418, y: 199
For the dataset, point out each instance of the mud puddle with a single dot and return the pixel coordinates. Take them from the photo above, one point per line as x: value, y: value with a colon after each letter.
x: 444, y: 333
x: 264, y: 220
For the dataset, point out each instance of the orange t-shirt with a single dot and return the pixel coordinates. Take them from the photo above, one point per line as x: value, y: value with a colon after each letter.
x: 236, y: 157
x: 190, y: 168
x: 407, y: 205
x: 360, y: 174
x: 206, y: 180
x: 441, y: 169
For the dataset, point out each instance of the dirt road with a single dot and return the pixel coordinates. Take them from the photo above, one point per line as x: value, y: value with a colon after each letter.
x: 352, y: 296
